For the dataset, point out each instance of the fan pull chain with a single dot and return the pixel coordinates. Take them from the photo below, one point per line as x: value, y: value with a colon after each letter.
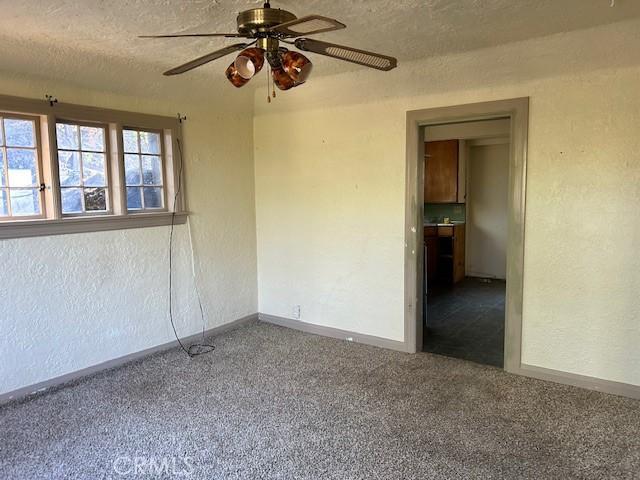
x: 268, y: 96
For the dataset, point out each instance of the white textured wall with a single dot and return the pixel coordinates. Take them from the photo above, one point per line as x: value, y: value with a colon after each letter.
x: 468, y: 130
x: 72, y: 301
x: 330, y: 173
x: 487, y: 202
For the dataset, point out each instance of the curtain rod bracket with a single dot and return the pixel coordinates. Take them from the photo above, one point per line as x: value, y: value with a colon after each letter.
x: 51, y: 99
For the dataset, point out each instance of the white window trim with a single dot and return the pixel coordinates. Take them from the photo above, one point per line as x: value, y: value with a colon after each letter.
x: 39, y: 163
x: 163, y: 165
x: 84, y: 224
x: 106, y: 152
x: 114, y: 120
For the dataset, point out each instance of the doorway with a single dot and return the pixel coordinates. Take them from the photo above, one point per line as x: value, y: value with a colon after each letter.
x: 515, y: 111
x: 465, y: 239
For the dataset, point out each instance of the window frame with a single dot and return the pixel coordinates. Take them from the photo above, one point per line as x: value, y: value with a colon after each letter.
x: 107, y: 160
x: 165, y: 197
x: 52, y: 221
x: 39, y: 165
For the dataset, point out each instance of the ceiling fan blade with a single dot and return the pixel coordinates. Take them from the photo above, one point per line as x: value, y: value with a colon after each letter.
x: 308, y: 26
x: 209, y: 57
x: 348, y: 54
x: 178, y: 35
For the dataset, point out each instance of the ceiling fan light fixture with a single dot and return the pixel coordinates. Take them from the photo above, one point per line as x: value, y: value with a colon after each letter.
x: 297, y: 66
x: 249, y: 62
x: 267, y: 28
x: 234, y: 77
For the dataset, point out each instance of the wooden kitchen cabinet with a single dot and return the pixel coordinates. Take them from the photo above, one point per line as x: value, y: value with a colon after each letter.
x: 458, y: 253
x: 431, y: 242
x: 445, y: 253
x: 441, y: 172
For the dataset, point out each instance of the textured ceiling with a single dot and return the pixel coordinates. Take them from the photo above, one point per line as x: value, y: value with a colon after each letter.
x: 93, y: 42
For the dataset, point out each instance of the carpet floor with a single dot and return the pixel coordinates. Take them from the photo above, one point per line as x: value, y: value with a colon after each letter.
x: 271, y: 402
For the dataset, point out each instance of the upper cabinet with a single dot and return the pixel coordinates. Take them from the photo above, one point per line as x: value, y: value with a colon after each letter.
x: 441, y: 172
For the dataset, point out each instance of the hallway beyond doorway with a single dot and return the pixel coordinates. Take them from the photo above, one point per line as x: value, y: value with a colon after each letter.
x: 466, y: 321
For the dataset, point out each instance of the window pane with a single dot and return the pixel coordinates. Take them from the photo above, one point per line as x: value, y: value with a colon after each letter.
x: 152, y: 197
x: 4, y: 203
x: 95, y: 199
x: 92, y: 138
x: 24, y: 202
x: 1, y: 134
x: 150, y: 142
x: 134, y: 199
x: 20, y: 133
x: 130, y: 140
x: 71, y: 200
x: 132, y: 169
x: 151, y: 170
x: 93, y: 169
x: 69, y: 168
x: 22, y: 167
x: 3, y: 181
x: 67, y: 136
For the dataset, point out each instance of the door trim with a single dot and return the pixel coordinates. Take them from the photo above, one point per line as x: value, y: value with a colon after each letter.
x: 517, y: 110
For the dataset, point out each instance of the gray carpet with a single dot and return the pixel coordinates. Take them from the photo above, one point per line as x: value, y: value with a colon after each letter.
x: 276, y: 403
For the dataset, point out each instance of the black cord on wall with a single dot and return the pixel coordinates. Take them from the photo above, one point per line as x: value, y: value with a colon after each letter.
x: 197, y: 348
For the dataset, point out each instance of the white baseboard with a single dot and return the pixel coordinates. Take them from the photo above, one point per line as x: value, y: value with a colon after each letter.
x: 582, y: 381
x: 334, y: 332
x: 116, y: 362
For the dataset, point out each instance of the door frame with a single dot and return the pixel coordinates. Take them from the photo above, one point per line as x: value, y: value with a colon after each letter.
x: 517, y: 110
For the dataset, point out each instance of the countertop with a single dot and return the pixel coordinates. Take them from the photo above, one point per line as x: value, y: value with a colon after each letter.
x: 443, y: 224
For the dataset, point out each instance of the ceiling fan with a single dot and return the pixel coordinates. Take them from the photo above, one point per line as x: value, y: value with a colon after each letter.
x: 268, y: 28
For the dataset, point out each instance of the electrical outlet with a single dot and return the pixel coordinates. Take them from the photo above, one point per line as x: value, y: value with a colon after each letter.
x: 296, y: 312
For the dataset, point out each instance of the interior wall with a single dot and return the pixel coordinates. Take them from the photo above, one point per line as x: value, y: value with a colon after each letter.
x: 487, y: 202
x: 468, y: 130
x: 72, y: 301
x: 330, y: 189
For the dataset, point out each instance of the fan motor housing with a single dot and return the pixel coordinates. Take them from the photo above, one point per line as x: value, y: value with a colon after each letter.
x: 259, y: 19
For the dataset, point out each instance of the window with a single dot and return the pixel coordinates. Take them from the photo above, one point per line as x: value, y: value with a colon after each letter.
x: 143, y: 168
x: 82, y: 168
x: 20, y: 192
x: 71, y: 169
